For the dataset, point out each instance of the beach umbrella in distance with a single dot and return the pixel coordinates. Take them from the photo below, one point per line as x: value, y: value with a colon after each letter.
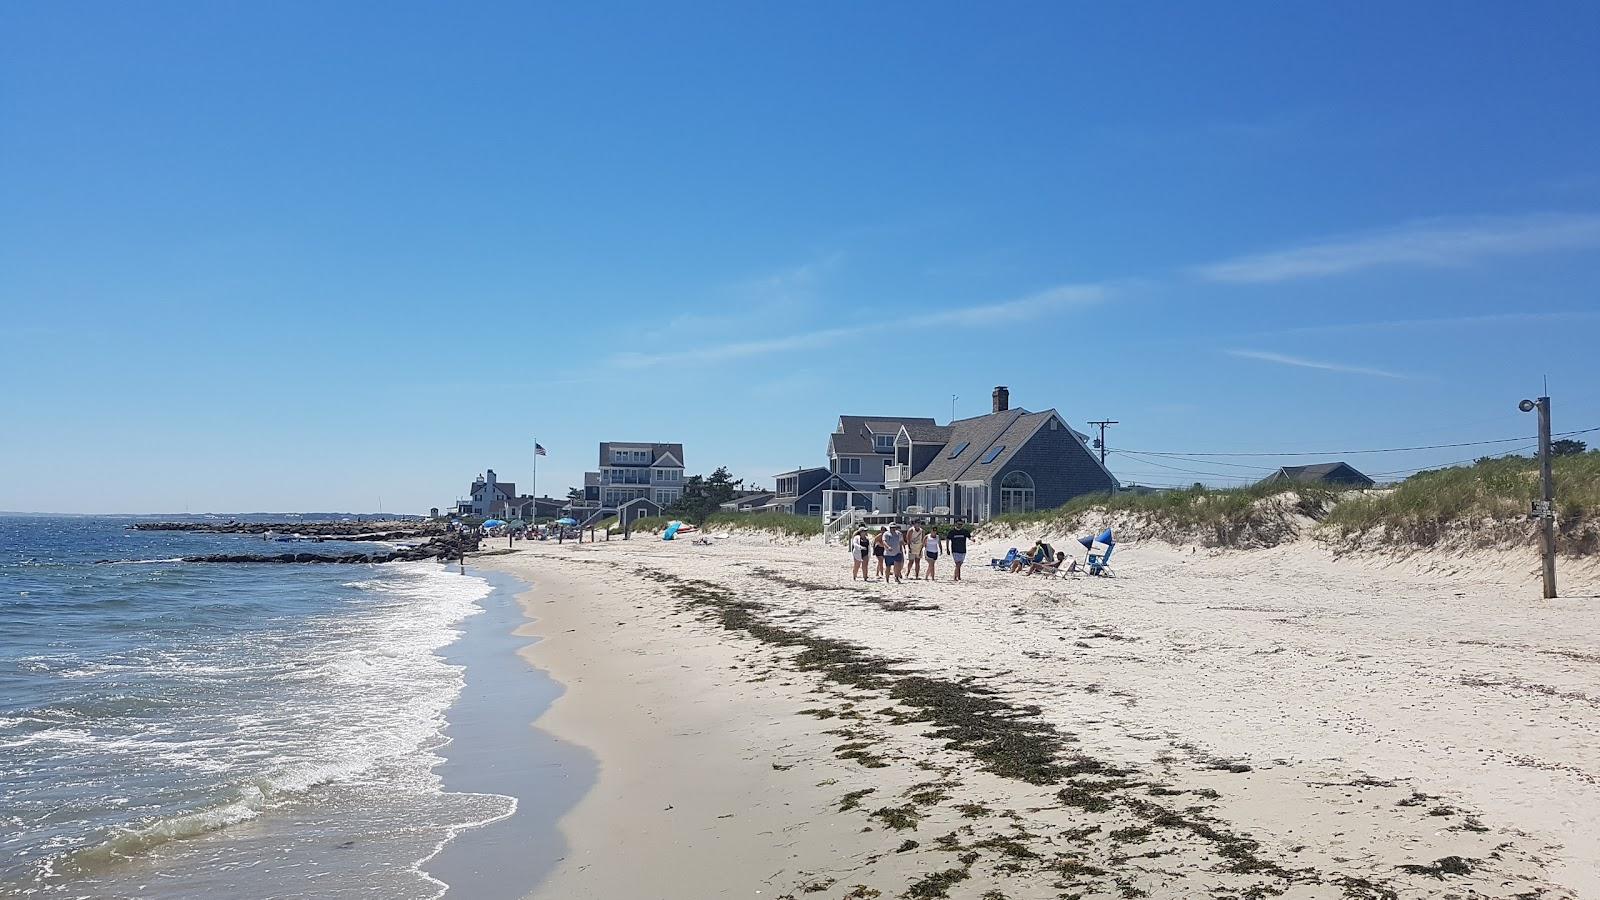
x: 493, y: 523
x: 567, y: 521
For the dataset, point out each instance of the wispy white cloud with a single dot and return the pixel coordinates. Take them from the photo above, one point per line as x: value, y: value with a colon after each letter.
x: 1437, y: 242
x: 783, y: 295
x: 1493, y: 319
x: 1007, y: 312
x: 786, y: 283
x: 1283, y: 359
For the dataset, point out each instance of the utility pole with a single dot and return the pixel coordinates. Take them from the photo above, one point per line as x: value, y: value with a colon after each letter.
x: 1544, y: 508
x: 1100, y: 442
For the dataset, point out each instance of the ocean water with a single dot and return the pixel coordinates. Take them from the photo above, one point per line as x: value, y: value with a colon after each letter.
x: 182, y: 730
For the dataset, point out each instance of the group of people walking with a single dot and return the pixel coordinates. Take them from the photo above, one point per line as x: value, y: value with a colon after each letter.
x: 899, y: 552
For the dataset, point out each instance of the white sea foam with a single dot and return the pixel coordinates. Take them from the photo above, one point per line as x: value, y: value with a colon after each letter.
x: 359, y: 701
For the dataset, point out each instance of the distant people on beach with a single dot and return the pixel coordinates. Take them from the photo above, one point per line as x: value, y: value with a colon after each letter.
x: 902, y: 550
x: 894, y: 552
x: 860, y: 553
x: 1047, y: 567
x: 914, y: 550
x: 957, y: 538
x: 1038, y: 554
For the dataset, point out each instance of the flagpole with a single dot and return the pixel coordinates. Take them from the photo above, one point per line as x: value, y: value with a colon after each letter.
x: 535, y: 490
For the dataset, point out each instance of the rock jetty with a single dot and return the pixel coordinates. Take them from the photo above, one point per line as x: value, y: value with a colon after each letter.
x: 447, y: 546
x: 389, y: 530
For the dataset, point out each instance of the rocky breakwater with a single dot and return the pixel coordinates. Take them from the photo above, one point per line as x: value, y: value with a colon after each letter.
x: 387, y: 530
x: 445, y: 546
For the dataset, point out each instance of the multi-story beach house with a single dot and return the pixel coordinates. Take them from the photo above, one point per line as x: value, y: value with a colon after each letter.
x: 1010, y: 460
x: 635, y: 479
x: 489, y: 497
x: 861, y: 448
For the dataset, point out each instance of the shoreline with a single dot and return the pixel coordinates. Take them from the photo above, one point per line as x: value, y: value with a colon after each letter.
x: 1288, y: 702
x: 491, y: 748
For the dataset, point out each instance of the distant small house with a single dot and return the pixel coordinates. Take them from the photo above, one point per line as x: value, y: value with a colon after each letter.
x: 800, y: 491
x: 636, y: 479
x: 1338, y: 474
x: 488, y: 497
x: 748, y: 501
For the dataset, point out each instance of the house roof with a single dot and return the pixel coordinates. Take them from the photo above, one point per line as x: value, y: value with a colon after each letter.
x: 851, y: 439
x: 1316, y: 472
x: 800, y: 471
x: 926, y: 432
x: 980, y: 434
x: 760, y: 499
x: 656, y: 450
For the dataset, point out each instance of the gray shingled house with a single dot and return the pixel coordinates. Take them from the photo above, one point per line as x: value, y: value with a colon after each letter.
x: 861, y: 447
x: 800, y: 492
x: 1339, y: 474
x: 1010, y: 460
x: 635, y: 479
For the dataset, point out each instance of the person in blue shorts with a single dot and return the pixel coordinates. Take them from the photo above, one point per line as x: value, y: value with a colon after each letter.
x: 894, y: 545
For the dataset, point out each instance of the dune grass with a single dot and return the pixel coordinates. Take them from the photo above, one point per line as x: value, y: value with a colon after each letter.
x: 1422, y: 510
x: 1197, y: 507
x: 1496, y: 489
x: 777, y: 523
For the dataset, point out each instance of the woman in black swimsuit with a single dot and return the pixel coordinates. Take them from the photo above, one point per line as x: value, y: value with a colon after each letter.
x: 860, y: 550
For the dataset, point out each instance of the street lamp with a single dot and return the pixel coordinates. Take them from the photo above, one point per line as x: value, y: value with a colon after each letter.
x: 1544, y: 508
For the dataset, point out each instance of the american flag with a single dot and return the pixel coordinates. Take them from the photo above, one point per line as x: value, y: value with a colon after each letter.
x: 538, y: 449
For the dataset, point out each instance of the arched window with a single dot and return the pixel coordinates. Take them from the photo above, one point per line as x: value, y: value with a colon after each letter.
x: 1016, y: 493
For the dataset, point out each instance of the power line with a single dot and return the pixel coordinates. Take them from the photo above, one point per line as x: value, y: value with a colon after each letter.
x: 1176, y: 469
x: 1351, y: 452
x: 1144, y: 453
x: 1458, y: 462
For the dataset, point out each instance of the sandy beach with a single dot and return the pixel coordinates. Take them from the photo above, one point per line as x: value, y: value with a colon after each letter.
x: 1242, y: 724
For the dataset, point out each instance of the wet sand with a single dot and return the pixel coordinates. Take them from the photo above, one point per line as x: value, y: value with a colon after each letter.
x: 494, y: 749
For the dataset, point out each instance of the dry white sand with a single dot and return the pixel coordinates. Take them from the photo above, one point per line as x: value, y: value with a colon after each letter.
x: 1260, y: 723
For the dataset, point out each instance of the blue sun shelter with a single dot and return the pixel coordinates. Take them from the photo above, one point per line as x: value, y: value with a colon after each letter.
x: 1100, y: 547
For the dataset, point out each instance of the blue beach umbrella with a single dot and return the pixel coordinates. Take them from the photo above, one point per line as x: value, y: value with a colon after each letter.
x: 568, y: 521
x: 493, y: 523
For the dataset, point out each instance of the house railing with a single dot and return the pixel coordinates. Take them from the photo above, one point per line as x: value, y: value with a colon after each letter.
x: 895, y: 474
x: 843, y: 523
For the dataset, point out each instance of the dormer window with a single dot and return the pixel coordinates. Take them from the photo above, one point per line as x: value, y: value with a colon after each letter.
x: 883, y: 443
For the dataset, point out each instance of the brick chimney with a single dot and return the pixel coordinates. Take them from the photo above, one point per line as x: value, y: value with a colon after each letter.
x: 1002, y: 399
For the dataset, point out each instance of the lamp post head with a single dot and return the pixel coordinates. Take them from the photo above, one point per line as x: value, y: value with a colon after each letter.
x: 1527, y: 406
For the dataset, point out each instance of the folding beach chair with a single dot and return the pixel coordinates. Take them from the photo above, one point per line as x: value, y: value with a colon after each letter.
x: 1099, y: 562
x: 1068, y: 567
x: 1004, y: 564
x: 1100, y: 547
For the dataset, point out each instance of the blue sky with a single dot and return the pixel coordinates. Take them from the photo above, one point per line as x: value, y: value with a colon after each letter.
x: 322, y: 256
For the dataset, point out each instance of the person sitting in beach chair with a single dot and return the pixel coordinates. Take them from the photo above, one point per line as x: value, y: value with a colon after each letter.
x: 1005, y: 562
x: 1039, y: 554
x: 1049, y: 567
